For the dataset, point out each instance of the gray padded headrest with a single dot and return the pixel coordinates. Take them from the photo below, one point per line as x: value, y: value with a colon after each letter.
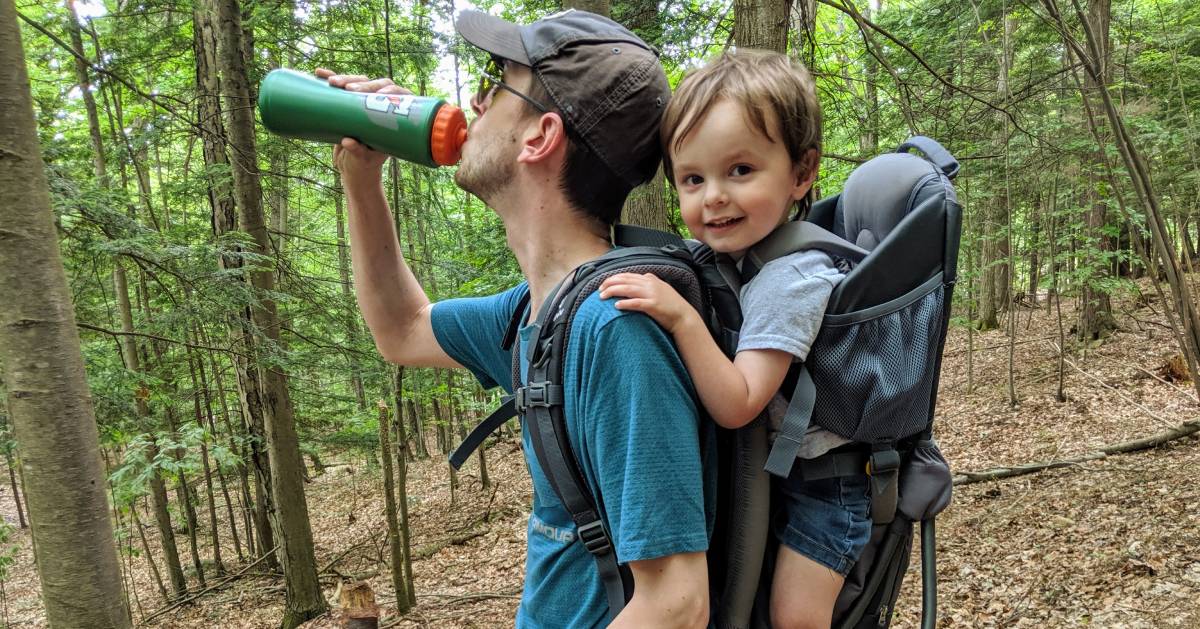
x: 883, y: 191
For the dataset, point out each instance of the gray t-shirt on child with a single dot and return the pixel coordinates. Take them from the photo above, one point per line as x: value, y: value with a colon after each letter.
x: 782, y: 309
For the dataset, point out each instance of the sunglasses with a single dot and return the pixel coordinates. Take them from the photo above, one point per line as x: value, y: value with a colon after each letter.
x: 489, y: 80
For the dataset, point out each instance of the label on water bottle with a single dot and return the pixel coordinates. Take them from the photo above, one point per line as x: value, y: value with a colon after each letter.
x: 395, y: 104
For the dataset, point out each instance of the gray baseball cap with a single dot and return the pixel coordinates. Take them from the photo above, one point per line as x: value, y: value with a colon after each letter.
x: 608, y: 84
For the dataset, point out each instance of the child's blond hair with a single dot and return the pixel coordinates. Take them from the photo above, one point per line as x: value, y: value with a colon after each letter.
x: 760, y: 81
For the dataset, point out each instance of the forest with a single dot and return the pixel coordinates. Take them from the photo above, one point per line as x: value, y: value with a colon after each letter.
x: 198, y: 429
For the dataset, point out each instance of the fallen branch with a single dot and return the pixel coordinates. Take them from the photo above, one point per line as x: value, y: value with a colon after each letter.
x: 429, y: 550
x: 482, y: 596
x: 183, y: 601
x: 1124, y: 447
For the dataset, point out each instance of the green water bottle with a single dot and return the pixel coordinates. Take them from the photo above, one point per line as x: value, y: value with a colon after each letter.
x: 420, y: 129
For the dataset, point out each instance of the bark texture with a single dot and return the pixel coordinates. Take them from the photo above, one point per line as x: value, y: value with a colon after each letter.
x: 48, y: 397
x: 304, y: 600
x: 761, y: 24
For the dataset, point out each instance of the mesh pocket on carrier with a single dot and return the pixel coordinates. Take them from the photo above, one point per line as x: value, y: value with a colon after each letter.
x: 874, y: 368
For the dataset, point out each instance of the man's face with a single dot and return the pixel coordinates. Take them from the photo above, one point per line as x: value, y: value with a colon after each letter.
x: 489, y: 156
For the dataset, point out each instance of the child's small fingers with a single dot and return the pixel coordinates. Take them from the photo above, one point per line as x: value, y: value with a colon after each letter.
x: 631, y: 304
x: 619, y: 290
x: 619, y: 278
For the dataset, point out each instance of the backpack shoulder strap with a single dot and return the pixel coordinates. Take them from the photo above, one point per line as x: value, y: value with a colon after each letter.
x: 794, y: 236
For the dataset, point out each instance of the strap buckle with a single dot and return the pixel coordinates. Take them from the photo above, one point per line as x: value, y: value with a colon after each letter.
x: 541, y: 394
x: 883, y: 472
x: 594, y: 538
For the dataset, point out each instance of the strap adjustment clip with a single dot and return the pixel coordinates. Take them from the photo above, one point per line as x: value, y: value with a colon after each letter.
x: 883, y: 472
x: 594, y: 538
x: 542, y: 394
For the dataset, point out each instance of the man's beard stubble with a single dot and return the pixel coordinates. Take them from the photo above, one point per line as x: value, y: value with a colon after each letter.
x: 486, y: 171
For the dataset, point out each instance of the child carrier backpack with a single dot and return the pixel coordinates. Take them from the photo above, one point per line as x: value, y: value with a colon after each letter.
x: 871, y: 377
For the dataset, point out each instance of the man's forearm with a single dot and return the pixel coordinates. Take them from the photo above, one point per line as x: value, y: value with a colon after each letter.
x: 391, y: 299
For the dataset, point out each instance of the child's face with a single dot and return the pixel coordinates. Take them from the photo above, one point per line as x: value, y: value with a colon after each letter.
x: 735, y: 184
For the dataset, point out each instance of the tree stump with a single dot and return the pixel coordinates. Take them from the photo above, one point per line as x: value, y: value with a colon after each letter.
x: 358, y: 608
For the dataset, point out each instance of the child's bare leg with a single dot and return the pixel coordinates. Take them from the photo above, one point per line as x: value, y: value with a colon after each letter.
x: 803, y: 593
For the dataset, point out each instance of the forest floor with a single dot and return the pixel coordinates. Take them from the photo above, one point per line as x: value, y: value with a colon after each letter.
x: 1113, y: 542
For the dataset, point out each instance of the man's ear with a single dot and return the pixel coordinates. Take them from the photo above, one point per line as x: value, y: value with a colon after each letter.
x: 542, y: 139
x: 806, y: 174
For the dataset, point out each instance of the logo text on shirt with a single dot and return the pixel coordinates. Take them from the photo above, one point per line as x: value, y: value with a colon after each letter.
x: 555, y: 533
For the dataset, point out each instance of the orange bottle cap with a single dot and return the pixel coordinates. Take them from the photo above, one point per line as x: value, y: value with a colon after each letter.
x: 449, y: 133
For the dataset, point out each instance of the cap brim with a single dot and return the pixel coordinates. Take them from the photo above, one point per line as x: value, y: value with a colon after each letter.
x: 492, y: 34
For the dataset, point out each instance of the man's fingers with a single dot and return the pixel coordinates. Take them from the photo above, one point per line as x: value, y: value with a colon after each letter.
x: 372, y: 85
x: 360, y: 82
x: 342, y: 80
x: 395, y: 89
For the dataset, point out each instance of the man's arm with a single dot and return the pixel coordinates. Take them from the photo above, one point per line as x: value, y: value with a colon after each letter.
x: 668, y: 592
x: 394, y: 305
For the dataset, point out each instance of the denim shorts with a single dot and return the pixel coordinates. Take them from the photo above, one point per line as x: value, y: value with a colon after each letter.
x: 826, y: 520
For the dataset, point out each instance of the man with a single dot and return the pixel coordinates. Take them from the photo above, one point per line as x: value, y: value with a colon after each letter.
x: 566, y: 125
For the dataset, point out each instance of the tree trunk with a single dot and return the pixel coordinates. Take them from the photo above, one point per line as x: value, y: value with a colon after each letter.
x: 395, y: 542
x: 1034, y: 262
x: 249, y: 509
x: 304, y: 599
x: 208, y: 471
x: 212, y: 429
x: 1096, y: 318
x: 989, y: 253
x: 137, y: 524
x: 184, y: 490
x: 400, y: 451
x: 221, y: 201
x: 484, y: 479
x: 418, y: 428
x: 158, y: 488
x: 599, y: 7
x: 48, y: 397
x: 761, y: 24
x: 647, y: 205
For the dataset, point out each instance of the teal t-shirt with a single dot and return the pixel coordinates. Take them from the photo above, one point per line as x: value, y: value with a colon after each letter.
x: 633, y: 423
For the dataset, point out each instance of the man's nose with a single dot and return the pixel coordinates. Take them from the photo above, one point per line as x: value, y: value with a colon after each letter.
x: 477, y: 105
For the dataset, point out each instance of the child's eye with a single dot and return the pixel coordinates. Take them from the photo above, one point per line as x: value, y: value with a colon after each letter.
x: 692, y: 180
x: 740, y: 170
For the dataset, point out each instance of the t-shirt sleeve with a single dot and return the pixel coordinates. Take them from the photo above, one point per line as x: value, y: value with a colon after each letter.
x: 783, y: 306
x: 643, y: 445
x: 471, y: 329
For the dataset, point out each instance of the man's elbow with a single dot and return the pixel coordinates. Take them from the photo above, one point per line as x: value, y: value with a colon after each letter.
x: 391, y: 351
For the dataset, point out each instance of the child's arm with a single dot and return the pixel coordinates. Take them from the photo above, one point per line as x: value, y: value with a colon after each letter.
x: 733, y: 392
